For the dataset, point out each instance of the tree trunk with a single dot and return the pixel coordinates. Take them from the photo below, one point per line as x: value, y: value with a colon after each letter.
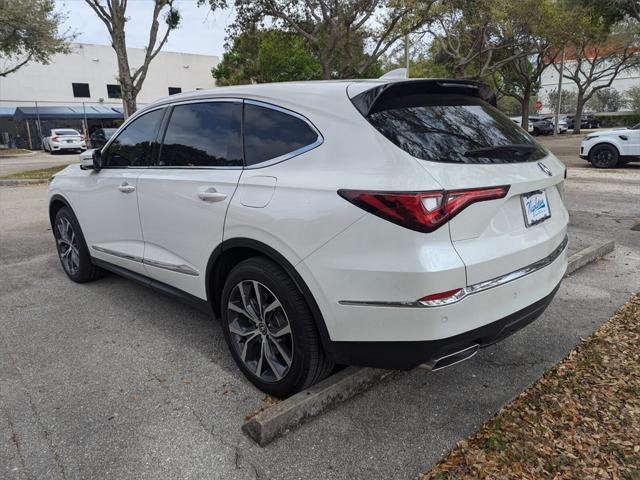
x: 526, y: 100
x: 124, y: 74
x: 577, y: 120
x: 129, y: 103
x: 325, y: 64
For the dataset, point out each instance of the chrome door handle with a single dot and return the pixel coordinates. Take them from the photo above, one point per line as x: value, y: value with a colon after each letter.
x: 126, y: 188
x: 211, y: 195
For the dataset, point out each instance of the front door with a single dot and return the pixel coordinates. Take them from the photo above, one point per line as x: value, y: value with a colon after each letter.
x: 184, y: 196
x: 108, y: 202
x: 631, y: 146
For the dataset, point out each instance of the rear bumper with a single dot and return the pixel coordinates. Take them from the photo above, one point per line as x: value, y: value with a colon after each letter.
x: 68, y: 146
x: 407, y: 355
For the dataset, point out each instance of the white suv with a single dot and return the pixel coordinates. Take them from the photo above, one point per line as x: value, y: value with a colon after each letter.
x: 376, y: 223
x: 607, y: 149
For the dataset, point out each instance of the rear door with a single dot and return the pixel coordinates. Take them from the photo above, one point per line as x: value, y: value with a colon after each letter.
x: 463, y: 142
x: 184, y: 196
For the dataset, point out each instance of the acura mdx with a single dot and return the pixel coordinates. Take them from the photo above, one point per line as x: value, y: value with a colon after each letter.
x: 379, y: 223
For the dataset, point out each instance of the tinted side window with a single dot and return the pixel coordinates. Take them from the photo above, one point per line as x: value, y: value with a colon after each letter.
x: 270, y: 133
x: 133, y: 147
x: 203, y: 135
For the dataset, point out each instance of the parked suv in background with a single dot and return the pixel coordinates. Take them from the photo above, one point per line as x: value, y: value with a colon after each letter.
x: 562, y: 123
x: 586, y: 121
x: 101, y: 136
x: 541, y: 126
x: 611, y: 148
x: 378, y: 223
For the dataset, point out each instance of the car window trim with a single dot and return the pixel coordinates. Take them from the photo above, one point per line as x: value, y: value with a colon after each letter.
x: 124, y: 126
x: 163, y: 132
x: 266, y: 163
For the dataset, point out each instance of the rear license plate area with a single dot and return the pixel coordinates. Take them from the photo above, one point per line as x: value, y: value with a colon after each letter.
x: 535, y: 207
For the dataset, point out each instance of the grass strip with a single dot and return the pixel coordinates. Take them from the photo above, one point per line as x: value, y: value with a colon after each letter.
x: 35, y: 174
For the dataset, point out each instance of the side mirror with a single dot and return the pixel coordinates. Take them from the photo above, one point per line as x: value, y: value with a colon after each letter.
x: 97, y: 160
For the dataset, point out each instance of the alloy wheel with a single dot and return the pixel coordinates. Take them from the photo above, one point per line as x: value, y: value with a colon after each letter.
x: 260, y: 330
x: 603, y: 158
x: 67, y: 246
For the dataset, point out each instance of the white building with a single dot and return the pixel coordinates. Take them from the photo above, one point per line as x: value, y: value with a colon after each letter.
x: 93, y: 69
x: 550, y: 77
x: 80, y: 89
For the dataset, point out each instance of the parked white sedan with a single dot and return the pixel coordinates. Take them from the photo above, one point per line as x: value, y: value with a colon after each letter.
x: 61, y: 139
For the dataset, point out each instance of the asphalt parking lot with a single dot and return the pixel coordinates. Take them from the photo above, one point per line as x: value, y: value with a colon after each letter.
x: 112, y: 380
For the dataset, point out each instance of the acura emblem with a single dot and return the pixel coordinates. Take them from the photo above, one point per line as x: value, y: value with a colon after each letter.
x: 544, y: 168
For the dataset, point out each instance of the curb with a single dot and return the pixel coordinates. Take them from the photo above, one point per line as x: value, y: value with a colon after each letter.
x: 271, y: 423
x: 25, y: 181
x: 588, y: 255
x: 287, y: 415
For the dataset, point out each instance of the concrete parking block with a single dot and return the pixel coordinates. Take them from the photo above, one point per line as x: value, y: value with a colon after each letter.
x: 274, y: 421
x: 588, y: 255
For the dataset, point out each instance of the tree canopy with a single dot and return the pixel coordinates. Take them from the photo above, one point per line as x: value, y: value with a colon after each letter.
x: 260, y: 56
x: 29, y: 32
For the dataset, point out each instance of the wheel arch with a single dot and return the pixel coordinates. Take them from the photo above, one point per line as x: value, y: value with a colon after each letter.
x: 233, y: 251
x: 603, y: 143
x: 56, y: 202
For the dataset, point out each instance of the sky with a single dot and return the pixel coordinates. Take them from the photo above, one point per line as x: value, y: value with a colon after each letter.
x: 201, y: 30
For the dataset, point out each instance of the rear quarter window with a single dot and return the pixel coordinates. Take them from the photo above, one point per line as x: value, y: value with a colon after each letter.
x: 454, y: 129
x: 270, y: 133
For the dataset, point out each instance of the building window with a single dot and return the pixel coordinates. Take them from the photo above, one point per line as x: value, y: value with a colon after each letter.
x: 174, y: 90
x: 114, y: 91
x: 81, y: 90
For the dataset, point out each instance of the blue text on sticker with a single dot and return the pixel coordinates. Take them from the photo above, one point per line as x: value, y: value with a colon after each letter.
x: 535, y: 205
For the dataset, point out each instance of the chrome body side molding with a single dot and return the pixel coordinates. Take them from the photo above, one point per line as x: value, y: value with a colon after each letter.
x: 185, y: 269
x: 471, y: 289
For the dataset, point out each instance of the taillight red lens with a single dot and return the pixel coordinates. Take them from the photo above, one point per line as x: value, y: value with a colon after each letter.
x: 440, y: 296
x: 54, y: 139
x: 421, y: 211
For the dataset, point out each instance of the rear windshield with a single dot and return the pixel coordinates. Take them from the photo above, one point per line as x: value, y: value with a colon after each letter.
x: 454, y: 129
x: 66, y: 132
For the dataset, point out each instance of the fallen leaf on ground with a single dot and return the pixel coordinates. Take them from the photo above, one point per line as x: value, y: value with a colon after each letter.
x: 580, y: 420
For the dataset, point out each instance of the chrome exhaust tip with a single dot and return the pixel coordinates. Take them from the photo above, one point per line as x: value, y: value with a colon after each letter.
x: 451, y: 359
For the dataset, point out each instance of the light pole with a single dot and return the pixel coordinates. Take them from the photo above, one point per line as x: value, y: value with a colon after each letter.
x: 406, y: 53
x: 559, y: 99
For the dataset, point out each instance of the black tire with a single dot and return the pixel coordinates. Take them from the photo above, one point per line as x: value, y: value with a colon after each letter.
x: 302, y: 347
x: 70, y: 240
x: 604, y: 156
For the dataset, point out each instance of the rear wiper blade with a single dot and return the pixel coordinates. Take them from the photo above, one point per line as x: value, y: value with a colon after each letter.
x: 520, y: 150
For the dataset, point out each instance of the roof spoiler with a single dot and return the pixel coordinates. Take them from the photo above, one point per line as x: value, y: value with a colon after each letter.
x: 374, y: 99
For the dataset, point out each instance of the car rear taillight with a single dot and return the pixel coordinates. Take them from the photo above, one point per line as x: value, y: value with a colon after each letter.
x: 421, y: 211
x: 54, y: 139
x: 443, y: 298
